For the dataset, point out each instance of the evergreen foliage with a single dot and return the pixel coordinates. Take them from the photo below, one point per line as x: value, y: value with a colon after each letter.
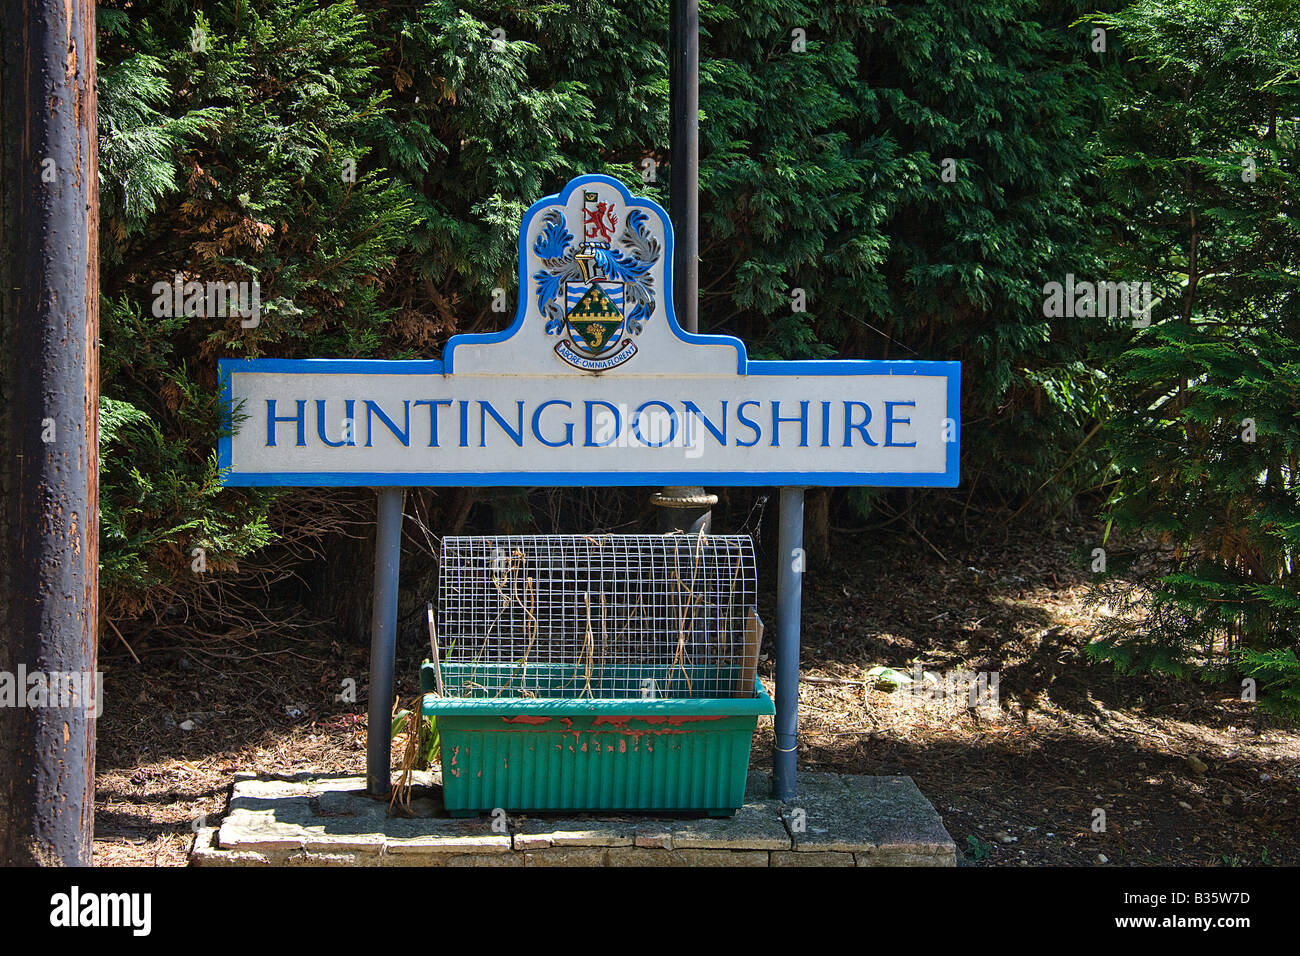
x: 225, y: 134
x: 824, y: 170
x: 223, y: 137
x: 1202, y: 166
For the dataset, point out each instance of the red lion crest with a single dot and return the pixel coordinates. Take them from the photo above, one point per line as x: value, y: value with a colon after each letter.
x: 600, y: 222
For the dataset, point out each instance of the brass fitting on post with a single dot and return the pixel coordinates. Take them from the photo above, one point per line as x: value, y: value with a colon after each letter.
x: 687, y: 509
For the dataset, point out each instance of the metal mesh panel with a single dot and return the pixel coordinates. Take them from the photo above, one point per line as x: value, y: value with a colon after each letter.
x: 614, y: 616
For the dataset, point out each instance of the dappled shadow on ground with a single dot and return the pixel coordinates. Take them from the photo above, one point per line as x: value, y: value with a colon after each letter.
x: 1076, y: 764
x: 1185, y: 773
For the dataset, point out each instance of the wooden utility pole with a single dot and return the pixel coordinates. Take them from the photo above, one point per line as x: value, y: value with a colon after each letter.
x: 49, y: 395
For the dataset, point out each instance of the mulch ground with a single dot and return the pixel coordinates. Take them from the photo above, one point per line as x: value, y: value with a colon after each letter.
x: 1186, y: 773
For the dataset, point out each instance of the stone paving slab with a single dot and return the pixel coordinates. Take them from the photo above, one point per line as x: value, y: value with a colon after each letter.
x: 937, y: 858
x: 757, y: 825
x: 887, y: 817
x: 836, y: 820
x: 820, y: 819
x: 641, y: 856
x: 444, y: 836
x: 535, y: 833
x: 331, y: 814
x: 810, y: 858
x: 654, y: 834
x: 906, y: 826
x: 567, y: 856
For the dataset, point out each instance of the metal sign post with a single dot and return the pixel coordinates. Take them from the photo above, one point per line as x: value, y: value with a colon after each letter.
x: 383, y: 640
x: 789, y: 608
x: 685, y: 508
x: 684, y: 156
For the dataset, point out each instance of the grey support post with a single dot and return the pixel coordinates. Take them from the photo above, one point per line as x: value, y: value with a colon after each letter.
x: 789, y: 600
x: 383, y: 641
x: 685, y: 509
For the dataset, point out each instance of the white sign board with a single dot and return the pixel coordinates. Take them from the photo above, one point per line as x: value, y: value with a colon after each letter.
x: 593, y: 384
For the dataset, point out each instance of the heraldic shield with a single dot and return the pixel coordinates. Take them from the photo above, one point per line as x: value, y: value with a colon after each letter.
x: 597, y: 293
x: 595, y: 316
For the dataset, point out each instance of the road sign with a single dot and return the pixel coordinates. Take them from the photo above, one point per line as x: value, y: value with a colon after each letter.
x: 594, y: 383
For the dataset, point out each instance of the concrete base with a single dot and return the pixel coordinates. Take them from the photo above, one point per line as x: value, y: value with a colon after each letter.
x: 837, y: 820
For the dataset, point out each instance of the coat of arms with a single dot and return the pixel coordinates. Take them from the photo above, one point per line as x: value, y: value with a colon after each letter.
x: 596, y: 294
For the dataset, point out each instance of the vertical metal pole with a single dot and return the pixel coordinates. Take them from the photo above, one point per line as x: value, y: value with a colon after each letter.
x: 49, y: 450
x: 789, y: 601
x: 684, y: 157
x: 685, y: 508
x: 383, y: 641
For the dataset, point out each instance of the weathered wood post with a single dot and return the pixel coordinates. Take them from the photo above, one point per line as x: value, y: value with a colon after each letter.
x: 49, y: 451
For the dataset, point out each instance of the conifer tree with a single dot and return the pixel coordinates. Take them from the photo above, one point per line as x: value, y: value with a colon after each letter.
x: 1202, y: 170
x: 234, y: 149
x: 915, y: 168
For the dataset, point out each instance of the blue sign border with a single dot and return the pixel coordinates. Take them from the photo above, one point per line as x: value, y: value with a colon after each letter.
x: 444, y: 366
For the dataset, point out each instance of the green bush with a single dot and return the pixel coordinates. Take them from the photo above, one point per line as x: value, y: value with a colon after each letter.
x: 1202, y: 175
x: 222, y: 140
x: 226, y: 136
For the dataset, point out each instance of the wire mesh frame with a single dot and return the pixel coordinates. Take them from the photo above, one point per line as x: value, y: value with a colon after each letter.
x: 585, y: 616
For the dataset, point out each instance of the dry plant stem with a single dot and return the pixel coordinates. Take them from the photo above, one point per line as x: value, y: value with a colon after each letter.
x: 731, y: 646
x: 679, y: 657
x: 401, y: 795
x: 604, y: 636
x: 530, y: 597
x: 505, y: 598
x: 508, y: 592
x: 507, y: 586
x: 122, y: 639
x: 588, y: 642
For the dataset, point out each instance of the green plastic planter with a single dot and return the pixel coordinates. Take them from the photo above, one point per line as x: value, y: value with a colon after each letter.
x: 676, y: 755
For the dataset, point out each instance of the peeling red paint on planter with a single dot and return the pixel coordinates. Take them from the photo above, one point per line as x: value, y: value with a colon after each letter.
x: 652, y: 719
